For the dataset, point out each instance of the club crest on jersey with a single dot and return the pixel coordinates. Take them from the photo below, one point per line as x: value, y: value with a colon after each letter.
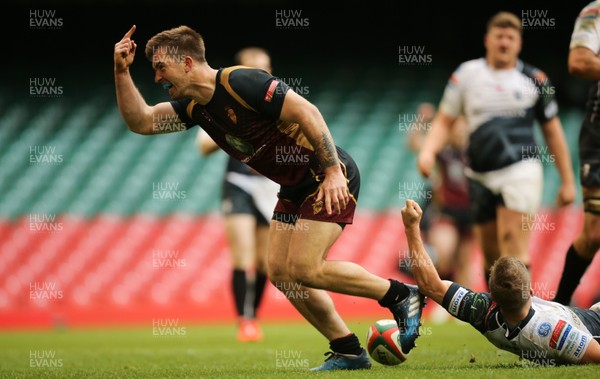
x: 317, y: 206
x: 239, y: 144
x: 544, y: 329
x: 231, y: 114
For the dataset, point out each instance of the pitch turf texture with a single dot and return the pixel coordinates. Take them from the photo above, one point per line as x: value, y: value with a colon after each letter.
x: 449, y: 350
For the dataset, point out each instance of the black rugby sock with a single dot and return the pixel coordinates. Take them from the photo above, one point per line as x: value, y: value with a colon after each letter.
x: 240, y: 287
x: 575, y: 267
x: 259, y: 288
x: 346, y: 345
x: 397, y: 292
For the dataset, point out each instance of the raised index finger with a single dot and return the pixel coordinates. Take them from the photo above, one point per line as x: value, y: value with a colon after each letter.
x: 129, y: 33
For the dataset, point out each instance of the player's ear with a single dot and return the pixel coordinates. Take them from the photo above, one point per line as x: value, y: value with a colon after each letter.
x: 188, y: 62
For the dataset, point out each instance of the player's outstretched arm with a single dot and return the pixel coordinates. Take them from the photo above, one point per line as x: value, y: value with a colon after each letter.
x: 428, y: 279
x: 334, y: 189
x: 592, y: 354
x: 434, y: 142
x: 139, y: 116
x: 557, y: 144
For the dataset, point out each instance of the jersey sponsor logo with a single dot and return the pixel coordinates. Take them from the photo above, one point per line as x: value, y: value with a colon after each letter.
x: 581, y: 345
x: 564, y: 337
x: 544, y: 329
x: 271, y: 91
x: 558, y: 331
x: 456, y: 299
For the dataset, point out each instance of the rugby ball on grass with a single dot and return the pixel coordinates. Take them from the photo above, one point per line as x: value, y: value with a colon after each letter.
x: 382, y: 343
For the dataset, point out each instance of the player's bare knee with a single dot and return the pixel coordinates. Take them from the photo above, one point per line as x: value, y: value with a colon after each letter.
x: 280, y: 281
x: 305, y: 274
x: 508, y: 236
x: 277, y: 273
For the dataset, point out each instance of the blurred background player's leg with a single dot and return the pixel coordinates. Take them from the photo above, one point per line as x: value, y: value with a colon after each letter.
x: 514, y: 234
x: 453, y: 246
x: 242, y: 239
x: 583, y: 249
x: 483, y: 204
x: 247, y: 231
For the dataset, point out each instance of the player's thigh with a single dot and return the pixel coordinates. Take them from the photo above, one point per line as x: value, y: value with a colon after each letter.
x: 589, y: 160
x: 443, y: 236
x: 486, y: 234
x: 512, y: 224
x: 589, y: 240
x: 589, y: 155
x: 513, y: 233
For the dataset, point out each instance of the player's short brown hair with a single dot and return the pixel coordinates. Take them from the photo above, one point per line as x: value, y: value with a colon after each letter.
x: 181, y: 40
x: 249, y: 51
x: 505, y: 20
x: 510, y: 283
x: 254, y: 56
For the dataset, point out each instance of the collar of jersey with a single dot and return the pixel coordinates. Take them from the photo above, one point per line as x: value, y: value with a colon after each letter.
x: 512, y: 333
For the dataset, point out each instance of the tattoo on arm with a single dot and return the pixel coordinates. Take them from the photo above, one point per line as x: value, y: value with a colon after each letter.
x: 326, y: 151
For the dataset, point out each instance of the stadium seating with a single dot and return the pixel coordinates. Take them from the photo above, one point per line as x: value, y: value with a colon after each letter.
x: 88, y: 224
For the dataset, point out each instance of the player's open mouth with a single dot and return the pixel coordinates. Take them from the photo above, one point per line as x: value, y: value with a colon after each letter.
x: 167, y: 85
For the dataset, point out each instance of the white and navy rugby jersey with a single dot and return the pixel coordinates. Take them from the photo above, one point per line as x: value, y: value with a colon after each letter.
x: 500, y: 107
x: 551, y: 334
x: 586, y: 33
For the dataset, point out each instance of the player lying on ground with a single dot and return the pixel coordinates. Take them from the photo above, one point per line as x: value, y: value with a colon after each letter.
x: 509, y: 316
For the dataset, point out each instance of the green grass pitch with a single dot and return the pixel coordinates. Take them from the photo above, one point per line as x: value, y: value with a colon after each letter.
x: 449, y: 350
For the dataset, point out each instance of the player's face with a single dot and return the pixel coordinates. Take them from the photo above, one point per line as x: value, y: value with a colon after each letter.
x: 169, y: 72
x: 503, y: 46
